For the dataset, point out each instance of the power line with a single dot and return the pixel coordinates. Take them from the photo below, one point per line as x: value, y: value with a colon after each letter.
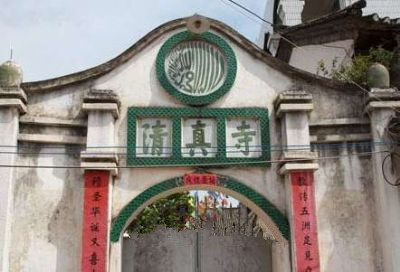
x: 396, y: 183
x: 243, y: 13
x: 175, y: 165
x: 277, y: 146
x: 251, y: 12
x: 301, y: 48
x: 214, y: 150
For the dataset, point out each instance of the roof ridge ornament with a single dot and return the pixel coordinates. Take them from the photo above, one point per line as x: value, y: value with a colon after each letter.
x: 198, y: 24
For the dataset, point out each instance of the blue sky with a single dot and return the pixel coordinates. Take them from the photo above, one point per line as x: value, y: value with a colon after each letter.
x: 56, y: 37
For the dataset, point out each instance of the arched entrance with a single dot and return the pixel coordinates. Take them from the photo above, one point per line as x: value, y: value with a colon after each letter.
x: 270, y: 217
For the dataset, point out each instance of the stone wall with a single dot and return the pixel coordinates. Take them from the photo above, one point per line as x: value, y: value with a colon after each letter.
x: 307, y: 57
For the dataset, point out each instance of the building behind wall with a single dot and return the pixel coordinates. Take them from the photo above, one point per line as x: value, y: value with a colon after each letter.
x: 334, y: 39
x: 294, y: 12
x: 288, y: 13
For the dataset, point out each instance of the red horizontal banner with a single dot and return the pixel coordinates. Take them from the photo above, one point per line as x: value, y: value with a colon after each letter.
x: 199, y: 179
x: 95, y: 214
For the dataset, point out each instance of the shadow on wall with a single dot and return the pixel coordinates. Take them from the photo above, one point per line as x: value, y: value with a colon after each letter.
x: 46, y: 230
x: 65, y: 225
x: 345, y: 211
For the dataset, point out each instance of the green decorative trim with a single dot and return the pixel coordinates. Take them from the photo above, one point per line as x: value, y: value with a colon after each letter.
x: 120, y: 222
x: 176, y: 114
x: 208, y: 37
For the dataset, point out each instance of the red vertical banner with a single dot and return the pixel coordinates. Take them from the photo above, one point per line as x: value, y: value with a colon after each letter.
x: 305, y: 222
x: 95, y: 215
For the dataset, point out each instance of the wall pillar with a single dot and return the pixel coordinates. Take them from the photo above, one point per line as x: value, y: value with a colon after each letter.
x: 12, y: 104
x: 100, y: 165
x: 293, y: 108
x: 116, y: 256
x: 382, y: 105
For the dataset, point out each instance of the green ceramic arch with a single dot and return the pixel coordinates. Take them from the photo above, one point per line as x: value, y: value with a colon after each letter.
x: 280, y: 220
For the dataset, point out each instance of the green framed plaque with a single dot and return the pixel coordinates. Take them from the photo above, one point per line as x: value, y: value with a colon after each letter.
x: 197, y: 69
x: 198, y: 137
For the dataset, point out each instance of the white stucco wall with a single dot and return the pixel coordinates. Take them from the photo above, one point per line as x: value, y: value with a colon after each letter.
x: 48, y: 202
x: 137, y: 85
x: 47, y: 222
x: 307, y: 57
x: 345, y: 212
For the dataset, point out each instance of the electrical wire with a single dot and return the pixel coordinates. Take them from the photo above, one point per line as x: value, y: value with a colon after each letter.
x: 243, y: 13
x: 393, y: 129
x: 251, y: 12
x: 219, y: 164
x: 272, y: 150
x: 393, y: 132
x: 304, y: 50
x: 363, y: 154
x: 278, y: 147
x: 396, y: 183
x: 186, y: 150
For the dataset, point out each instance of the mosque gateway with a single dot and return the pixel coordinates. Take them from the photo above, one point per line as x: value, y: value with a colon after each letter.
x: 288, y: 171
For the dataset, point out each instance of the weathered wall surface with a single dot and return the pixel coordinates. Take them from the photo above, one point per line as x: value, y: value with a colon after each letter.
x: 137, y: 85
x: 307, y: 57
x: 65, y: 103
x: 47, y: 223
x: 166, y: 250
x: 163, y: 250
x: 48, y: 202
x: 334, y: 104
x: 345, y: 211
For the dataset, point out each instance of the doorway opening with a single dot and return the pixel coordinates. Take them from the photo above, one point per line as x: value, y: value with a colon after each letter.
x: 196, y: 231
x: 232, y: 226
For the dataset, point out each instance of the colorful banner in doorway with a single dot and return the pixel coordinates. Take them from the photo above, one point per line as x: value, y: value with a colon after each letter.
x: 305, y: 223
x: 94, y: 235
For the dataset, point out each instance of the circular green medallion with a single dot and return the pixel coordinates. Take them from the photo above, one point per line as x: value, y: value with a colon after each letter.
x: 196, y: 69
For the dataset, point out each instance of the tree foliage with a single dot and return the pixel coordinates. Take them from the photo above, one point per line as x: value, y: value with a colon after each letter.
x: 356, y: 71
x: 166, y: 211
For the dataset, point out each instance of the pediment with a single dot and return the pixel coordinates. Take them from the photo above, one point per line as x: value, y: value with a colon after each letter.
x: 169, y: 29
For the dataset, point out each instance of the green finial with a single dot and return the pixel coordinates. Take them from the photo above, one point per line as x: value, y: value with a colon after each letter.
x: 378, y: 76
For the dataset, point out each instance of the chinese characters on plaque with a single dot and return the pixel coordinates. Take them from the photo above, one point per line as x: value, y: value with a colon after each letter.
x: 154, y: 138
x: 243, y: 138
x: 305, y: 224
x: 94, y: 240
x: 199, y: 138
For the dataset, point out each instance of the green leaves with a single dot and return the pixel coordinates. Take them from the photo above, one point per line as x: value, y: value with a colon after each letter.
x: 166, y: 211
x: 356, y: 71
